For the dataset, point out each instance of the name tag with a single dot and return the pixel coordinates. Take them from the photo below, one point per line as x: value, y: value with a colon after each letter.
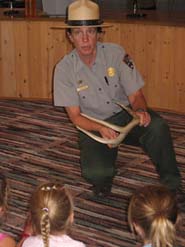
x: 82, y: 88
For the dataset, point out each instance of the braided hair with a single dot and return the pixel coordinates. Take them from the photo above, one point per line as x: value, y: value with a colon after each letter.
x: 51, y: 209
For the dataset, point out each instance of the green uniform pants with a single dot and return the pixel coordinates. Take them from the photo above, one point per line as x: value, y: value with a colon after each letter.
x: 98, y: 160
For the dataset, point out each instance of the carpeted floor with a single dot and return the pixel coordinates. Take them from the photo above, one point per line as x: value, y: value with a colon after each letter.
x: 38, y: 142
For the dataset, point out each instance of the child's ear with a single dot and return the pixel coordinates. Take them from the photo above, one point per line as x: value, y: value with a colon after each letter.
x: 138, y: 230
x: 71, y: 218
x: 2, y: 211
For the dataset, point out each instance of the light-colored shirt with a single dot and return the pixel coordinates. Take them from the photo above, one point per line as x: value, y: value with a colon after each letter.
x: 113, y: 77
x: 147, y: 245
x: 54, y: 241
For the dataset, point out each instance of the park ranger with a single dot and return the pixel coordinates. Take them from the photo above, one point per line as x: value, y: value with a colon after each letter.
x: 89, y: 80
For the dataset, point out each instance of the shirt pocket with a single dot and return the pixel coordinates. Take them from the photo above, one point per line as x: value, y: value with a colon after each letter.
x: 115, y: 88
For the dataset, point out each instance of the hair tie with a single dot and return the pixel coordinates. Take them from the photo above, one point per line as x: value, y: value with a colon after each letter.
x: 48, y: 187
x: 160, y: 213
x: 45, y: 209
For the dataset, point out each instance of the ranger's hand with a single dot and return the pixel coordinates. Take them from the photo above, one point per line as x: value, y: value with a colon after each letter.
x: 108, y: 133
x: 144, y: 117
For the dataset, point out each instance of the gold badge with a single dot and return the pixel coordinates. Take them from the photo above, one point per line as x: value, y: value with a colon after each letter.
x: 111, y: 71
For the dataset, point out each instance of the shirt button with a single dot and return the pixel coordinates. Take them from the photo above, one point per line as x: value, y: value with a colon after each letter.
x: 108, y: 102
x: 83, y: 97
x: 116, y: 85
x: 99, y: 89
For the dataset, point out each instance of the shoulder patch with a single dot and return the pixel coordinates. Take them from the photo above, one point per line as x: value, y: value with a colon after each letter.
x: 128, y: 61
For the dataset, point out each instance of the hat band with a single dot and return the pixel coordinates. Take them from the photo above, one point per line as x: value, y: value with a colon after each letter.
x: 84, y: 22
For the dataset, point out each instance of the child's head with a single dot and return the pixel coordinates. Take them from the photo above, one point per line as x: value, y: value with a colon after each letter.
x: 51, y: 210
x: 152, y: 214
x: 3, y: 193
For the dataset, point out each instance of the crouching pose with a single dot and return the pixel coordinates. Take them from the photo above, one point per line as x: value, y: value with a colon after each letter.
x: 87, y: 82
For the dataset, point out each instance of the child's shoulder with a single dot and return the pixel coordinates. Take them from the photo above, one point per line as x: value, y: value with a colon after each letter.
x: 58, y: 241
x: 67, y: 241
x: 6, y: 240
x: 32, y: 241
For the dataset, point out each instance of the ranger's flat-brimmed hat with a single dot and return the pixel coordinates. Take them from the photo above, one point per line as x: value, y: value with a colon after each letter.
x: 83, y: 13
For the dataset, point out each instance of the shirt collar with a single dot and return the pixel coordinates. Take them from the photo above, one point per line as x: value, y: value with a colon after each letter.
x: 98, y: 54
x: 79, y: 64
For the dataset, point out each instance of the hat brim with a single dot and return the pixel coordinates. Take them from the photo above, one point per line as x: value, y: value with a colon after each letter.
x: 69, y: 26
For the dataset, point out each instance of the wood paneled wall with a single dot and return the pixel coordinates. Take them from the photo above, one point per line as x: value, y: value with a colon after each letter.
x: 29, y: 51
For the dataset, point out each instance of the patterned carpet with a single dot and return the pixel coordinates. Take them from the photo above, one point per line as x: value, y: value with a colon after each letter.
x: 38, y: 142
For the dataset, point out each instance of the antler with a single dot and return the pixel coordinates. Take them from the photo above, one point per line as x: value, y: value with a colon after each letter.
x: 123, y: 131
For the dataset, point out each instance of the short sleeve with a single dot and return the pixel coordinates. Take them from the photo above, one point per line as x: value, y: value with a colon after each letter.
x: 65, y: 93
x: 129, y: 75
x: 32, y: 241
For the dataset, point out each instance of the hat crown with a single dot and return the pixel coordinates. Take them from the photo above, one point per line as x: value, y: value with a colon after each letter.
x: 83, y: 10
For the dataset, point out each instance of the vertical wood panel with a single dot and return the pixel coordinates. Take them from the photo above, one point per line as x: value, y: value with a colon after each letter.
x: 37, y: 84
x: 166, y: 67
x: 8, y: 79
x: 179, y: 68
x: 112, y: 34
x: 21, y: 59
x: 152, y: 52
x: 59, y: 46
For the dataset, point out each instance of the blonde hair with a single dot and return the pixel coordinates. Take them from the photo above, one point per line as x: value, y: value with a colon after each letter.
x: 51, y: 210
x: 154, y: 210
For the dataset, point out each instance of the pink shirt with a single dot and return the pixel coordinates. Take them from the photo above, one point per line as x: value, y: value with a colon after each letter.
x: 54, y: 241
x: 2, y: 236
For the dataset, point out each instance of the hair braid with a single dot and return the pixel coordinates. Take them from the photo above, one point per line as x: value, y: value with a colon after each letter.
x: 51, y: 210
x: 45, y: 227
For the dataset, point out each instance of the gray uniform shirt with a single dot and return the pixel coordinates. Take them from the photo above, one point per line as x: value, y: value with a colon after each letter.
x: 113, y: 77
